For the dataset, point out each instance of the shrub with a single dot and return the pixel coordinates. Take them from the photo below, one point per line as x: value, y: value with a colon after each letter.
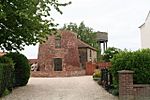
x: 114, y: 91
x: 138, y: 61
x: 97, y: 74
x: 22, y: 69
x: 6, y: 75
x: 109, y: 53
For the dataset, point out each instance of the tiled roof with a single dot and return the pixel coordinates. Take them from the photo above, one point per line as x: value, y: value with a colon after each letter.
x: 82, y: 44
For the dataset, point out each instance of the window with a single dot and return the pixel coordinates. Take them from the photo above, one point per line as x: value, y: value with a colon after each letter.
x: 57, y: 64
x: 58, y: 42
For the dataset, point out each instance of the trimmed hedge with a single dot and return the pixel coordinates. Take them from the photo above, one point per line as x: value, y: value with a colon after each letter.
x: 22, y: 69
x: 137, y: 61
x: 6, y: 75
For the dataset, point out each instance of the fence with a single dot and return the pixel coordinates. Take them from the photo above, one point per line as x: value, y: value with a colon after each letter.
x: 130, y: 91
x: 106, y: 78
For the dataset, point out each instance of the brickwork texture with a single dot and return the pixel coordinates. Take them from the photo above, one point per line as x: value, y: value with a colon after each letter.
x: 130, y: 91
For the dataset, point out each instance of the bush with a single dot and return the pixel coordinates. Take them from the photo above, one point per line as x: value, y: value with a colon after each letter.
x: 114, y: 91
x: 6, y: 75
x: 22, y: 69
x: 109, y: 53
x: 97, y: 74
x: 138, y: 61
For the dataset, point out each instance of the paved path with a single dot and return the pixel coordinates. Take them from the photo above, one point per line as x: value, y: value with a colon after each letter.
x: 69, y: 88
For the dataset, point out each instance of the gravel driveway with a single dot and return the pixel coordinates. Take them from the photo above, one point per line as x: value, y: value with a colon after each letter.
x: 68, y: 88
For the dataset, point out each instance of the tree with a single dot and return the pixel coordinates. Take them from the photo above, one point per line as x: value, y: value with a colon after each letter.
x: 109, y: 53
x: 22, y: 22
x: 84, y: 33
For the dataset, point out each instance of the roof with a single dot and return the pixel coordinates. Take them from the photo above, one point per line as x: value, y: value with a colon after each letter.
x: 147, y: 15
x: 142, y: 25
x: 145, y: 19
x: 82, y: 44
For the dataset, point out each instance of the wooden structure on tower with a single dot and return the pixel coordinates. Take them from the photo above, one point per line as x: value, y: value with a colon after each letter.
x: 102, y: 39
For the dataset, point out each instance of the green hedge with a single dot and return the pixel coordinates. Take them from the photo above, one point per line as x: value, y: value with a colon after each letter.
x: 6, y: 75
x: 137, y: 61
x: 22, y: 68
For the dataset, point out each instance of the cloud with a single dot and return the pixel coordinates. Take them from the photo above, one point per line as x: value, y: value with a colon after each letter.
x: 120, y: 18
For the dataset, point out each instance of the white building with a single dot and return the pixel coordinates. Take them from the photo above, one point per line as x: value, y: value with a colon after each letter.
x: 145, y: 32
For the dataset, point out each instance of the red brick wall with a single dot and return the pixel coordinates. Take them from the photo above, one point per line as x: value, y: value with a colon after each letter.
x: 69, y: 43
x: 141, y: 92
x: 90, y: 66
x: 102, y: 65
x: 31, y: 61
x: 58, y: 73
x: 68, y: 52
x: 126, y: 85
x: 130, y: 91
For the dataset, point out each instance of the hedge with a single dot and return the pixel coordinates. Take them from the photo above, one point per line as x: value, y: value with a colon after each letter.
x: 22, y: 69
x: 137, y: 61
x: 6, y: 75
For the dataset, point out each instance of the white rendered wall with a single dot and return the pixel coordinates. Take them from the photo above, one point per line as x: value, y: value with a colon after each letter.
x: 145, y: 34
x: 93, y: 55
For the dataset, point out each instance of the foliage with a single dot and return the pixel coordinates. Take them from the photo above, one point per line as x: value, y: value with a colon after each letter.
x: 97, y: 74
x: 26, y: 22
x: 84, y: 33
x: 137, y: 61
x: 109, y: 53
x: 114, y: 91
x: 6, y: 75
x: 22, y: 69
x: 6, y: 92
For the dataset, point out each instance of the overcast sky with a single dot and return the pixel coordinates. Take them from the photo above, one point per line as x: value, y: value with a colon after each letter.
x: 120, y: 18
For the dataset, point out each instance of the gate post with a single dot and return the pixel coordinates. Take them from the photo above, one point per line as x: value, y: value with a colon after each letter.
x: 126, y: 85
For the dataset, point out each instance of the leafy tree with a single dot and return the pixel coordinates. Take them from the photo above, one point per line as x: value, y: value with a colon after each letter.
x: 23, y: 22
x: 84, y: 33
x: 109, y: 53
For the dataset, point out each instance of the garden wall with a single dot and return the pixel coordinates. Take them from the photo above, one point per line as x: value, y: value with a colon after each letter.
x: 91, y: 66
x: 130, y: 91
x: 57, y: 73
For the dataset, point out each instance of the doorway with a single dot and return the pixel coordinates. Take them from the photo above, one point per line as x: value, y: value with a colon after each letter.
x: 57, y: 64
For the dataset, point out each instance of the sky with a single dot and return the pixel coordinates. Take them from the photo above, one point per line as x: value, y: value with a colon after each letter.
x: 120, y: 18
